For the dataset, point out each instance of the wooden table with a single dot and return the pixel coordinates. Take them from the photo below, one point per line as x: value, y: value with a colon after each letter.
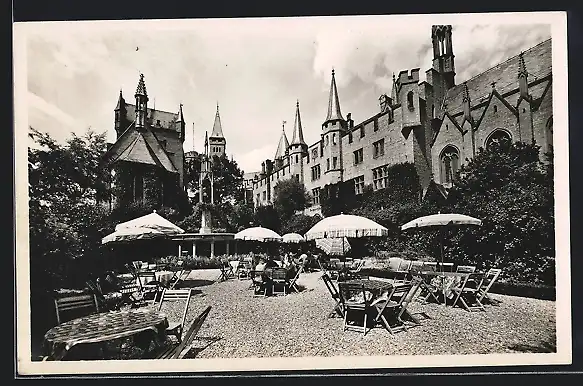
x: 447, y: 280
x: 102, y: 327
x: 371, y: 285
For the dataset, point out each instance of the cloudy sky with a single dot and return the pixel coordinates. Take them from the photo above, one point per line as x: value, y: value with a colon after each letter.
x: 255, y: 69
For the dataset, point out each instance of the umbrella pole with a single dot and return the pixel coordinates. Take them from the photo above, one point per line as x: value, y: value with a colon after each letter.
x: 442, y: 231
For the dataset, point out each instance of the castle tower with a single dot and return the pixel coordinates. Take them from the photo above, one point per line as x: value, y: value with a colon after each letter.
x: 443, y: 58
x: 333, y: 129
x: 298, y: 148
x: 524, y: 104
x: 217, y: 141
x: 141, y: 103
x: 281, y: 153
x: 442, y: 74
x: 120, y: 115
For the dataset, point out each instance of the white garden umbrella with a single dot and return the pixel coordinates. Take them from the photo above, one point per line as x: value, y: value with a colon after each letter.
x: 345, y: 225
x: 334, y: 246
x: 257, y: 234
x: 443, y: 221
x: 145, y: 227
x: 151, y: 221
x: 293, y: 238
x: 131, y: 234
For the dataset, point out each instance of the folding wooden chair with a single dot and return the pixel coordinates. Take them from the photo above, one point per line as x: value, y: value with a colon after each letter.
x: 111, y: 302
x: 429, y: 266
x: 176, y: 326
x: 355, y: 298
x: 131, y: 291
x: 226, y: 271
x: 178, y: 350
x: 278, y: 280
x: 333, y: 268
x: 338, y: 309
x: 489, y: 279
x: 397, y: 302
x: 259, y: 285
x: 469, y: 296
x: 466, y: 269
x: 446, y: 267
x: 292, y: 284
x: 149, y: 284
x: 87, y: 303
x: 179, y: 277
x: 403, y: 272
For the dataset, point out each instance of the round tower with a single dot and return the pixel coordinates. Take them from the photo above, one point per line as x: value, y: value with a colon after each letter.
x: 333, y: 128
x: 298, y: 148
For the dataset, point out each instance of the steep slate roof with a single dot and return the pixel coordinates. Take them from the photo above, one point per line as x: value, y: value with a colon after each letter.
x: 167, y: 119
x: 538, y: 61
x: 298, y: 136
x: 217, y: 128
x: 333, y: 102
x: 282, y: 146
x: 141, y: 147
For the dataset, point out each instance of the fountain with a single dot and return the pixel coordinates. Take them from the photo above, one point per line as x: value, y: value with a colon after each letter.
x: 206, y: 234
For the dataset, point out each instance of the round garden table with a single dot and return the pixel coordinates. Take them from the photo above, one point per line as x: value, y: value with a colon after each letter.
x: 102, y: 327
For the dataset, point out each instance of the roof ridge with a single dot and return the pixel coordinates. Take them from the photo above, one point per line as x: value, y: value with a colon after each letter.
x: 150, y: 108
x: 505, y: 61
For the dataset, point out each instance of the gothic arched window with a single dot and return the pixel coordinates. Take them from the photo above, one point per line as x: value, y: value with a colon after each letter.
x: 449, y: 164
x: 410, y: 100
x: 499, y: 140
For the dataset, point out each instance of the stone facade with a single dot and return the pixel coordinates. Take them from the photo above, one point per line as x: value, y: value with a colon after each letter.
x: 435, y: 124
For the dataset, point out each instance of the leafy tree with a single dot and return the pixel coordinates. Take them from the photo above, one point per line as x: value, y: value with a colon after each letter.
x: 66, y: 220
x: 242, y: 216
x: 338, y: 198
x: 266, y: 216
x: 511, y: 191
x: 290, y: 196
x: 300, y: 223
x: 228, y: 178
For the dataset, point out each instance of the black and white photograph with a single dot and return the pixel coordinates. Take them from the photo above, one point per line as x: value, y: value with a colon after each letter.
x: 298, y: 193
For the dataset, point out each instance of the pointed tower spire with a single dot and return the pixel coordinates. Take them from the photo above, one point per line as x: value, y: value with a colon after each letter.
x: 466, y: 103
x: 120, y: 101
x: 466, y: 93
x: 141, y: 90
x: 522, y: 77
x: 394, y: 91
x: 141, y: 103
x: 282, y: 145
x: 217, y: 128
x: 333, y: 102
x: 521, y: 66
x: 206, y: 143
x: 298, y: 136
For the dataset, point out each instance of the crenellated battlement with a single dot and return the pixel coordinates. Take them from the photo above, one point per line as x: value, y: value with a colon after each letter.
x: 406, y: 77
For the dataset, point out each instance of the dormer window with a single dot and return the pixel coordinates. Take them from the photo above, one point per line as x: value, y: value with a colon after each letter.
x: 157, y: 122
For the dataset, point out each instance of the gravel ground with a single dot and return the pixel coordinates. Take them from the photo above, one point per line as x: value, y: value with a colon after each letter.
x: 297, y: 325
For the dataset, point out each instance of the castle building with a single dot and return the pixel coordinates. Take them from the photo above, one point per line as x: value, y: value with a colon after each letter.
x: 434, y: 124
x: 146, y: 162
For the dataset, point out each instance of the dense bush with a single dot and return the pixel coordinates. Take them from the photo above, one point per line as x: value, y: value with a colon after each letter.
x: 512, y: 192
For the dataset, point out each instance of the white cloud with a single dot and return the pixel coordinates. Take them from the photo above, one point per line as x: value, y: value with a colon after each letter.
x: 256, y: 69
